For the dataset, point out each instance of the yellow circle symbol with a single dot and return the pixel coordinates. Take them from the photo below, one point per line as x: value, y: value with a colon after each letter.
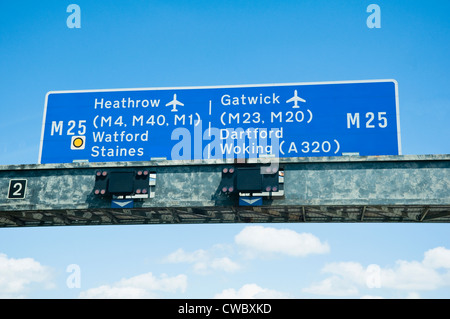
x: 78, y: 142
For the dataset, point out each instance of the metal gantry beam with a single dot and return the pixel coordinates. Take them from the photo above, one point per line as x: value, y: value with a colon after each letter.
x: 349, y: 189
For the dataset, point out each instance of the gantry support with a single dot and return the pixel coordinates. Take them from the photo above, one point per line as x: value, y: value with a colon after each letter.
x: 355, y: 189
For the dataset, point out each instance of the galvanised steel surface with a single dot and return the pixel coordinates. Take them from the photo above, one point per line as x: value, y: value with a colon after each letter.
x: 410, y: 188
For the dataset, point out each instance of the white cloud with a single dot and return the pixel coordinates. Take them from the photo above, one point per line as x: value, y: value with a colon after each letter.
x: 411, y: 275
x: 112, y: 292
x: 438, y: 257
x: 256, y: 240
x: 332, y: 286
x: 348, y: 278
x: 225, y: 264
x: 263, y: 240
x: 349, y: 271
x: 203, y: 261
x: 413, y: 295
x: 17, y: 276
x: 141, y: 286
x: 251, y: 291
x: 180, y: 256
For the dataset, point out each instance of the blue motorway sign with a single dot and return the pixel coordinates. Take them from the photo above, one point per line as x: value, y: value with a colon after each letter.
x: 248, y: 121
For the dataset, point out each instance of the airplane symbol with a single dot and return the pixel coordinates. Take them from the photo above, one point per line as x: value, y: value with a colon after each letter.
x: 174, y: 102
x: 295, y: 99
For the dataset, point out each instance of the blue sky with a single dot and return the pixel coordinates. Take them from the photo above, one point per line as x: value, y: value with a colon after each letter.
x: 139, y: 44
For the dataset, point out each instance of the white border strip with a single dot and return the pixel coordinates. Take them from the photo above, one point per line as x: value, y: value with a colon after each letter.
x: 43, y: 128
x: 398, y: 117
